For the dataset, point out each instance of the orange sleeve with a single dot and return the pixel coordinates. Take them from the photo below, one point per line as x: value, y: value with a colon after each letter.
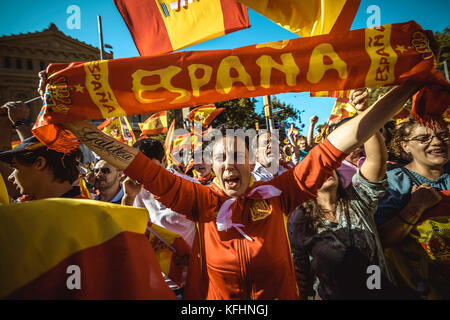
x: 190, y: 199
x: 302, y: 182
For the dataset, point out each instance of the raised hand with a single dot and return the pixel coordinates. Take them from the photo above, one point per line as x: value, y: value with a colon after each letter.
x: 313, y: 120
x: 17, y: 110
x: 360, y: 99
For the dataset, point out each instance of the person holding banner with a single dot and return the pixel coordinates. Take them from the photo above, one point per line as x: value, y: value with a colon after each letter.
x: 241, y: 223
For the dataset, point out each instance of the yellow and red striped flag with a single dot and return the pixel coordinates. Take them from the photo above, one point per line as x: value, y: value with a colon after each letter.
x: 159, y: 26
x: 308, y: 18
x: 332, y: 94
x: 119, y: 128
x: 342, y: 109
x: 205, y: 114
x: 155, y: 124
x: 77, y: 249
x: 15, y: 144
x: 171, y: 250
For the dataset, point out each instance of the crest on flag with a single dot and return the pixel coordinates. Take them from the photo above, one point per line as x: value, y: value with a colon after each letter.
x: 119, y: 128
x: 155, y: 124
x: 205, y: 114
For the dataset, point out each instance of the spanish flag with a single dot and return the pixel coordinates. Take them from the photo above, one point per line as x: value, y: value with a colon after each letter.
x: 155, y: 124
x: 118, y: 128
x: 205, y: 114
x: 159, y: 26
x: 171, y: 250
x: 332, y: 94
x: 15, y: 144
x: 308, y: 18
x: 342, y: 109
x: 77, y: 249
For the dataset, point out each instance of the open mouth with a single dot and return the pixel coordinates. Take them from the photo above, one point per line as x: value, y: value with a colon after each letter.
x: 231, y: 182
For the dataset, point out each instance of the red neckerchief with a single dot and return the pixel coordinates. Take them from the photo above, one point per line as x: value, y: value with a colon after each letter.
x: 205, y: 180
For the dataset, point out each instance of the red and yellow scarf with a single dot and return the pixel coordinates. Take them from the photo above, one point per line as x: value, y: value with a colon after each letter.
x: 374, y: 57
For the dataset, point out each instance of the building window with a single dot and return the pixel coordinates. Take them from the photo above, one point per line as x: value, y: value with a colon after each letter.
x: 18, y: 64
x: 41, y: 65
x: 30, y: 64
x: 7, y: 62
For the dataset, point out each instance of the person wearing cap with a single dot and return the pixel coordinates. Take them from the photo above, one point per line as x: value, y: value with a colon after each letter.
x: 40, y: 173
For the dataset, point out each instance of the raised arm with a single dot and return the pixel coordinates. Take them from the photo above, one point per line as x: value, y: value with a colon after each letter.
x: 310, y: 138
x: 358, y: 130
x: 374, y: 167
x: 116, y: 153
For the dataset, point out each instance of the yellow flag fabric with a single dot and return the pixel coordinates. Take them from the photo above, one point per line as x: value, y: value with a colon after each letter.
x: 342, y: 109
x: 171, y: 250
x: 37, y: 235
x: 306, y: 18
x: 155, y: 124
x: 119, y: 128
x: 159, y: 26
x: 4, y: 198
x: 205, y: 114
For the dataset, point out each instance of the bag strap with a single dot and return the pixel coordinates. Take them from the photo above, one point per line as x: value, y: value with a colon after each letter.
x: 411, y: 176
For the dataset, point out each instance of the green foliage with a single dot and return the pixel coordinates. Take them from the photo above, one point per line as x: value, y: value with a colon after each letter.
x: 240, y: 112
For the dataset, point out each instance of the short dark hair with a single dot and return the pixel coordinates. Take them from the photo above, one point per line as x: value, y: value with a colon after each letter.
x: 63, y: 166
x: 151, y: 148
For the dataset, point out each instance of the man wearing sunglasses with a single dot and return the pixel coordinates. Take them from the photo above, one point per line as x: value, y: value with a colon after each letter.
x: 107, y: 180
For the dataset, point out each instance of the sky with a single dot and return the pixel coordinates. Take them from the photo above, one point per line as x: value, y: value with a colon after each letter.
x: 31, y: 15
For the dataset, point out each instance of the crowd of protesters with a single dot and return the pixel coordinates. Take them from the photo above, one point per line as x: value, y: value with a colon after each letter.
x: 303, y: 221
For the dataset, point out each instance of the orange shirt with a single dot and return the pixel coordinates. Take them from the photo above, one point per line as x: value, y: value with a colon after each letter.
x: 223, y: 264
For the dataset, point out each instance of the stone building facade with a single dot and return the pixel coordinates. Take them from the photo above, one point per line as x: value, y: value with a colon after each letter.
x: 22, y: 56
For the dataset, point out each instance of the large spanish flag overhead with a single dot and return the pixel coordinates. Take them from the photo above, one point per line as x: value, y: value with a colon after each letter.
x: 159, y: 26
x: 77, y: 249
x: 308, y: 18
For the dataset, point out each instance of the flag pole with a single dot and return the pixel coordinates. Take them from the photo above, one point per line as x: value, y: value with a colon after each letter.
x: 100, y: 37
x: 268, y: 112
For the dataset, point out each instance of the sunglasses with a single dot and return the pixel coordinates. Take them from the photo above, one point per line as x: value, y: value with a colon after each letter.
x: 102, y: 170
